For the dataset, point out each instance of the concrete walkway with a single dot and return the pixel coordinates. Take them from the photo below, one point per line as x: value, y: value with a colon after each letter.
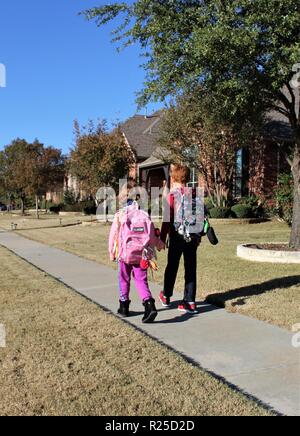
x: 254, y: 356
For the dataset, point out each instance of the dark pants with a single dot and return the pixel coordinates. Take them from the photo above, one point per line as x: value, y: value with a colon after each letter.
x: 179, y: 247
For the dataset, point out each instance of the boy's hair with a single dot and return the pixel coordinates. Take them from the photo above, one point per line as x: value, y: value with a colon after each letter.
x: 181, y: 174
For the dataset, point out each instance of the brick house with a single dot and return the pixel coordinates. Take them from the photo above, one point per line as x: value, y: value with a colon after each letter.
x: 256, y: 173
x: 70, y: 183
x: 257, y: 169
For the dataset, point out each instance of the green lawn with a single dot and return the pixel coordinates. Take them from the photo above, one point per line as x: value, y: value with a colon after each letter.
x: 265, y: 291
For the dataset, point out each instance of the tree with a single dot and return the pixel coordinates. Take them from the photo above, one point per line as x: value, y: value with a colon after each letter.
x: 243, y: 52
x: 99, y: 158
x: 193, y: 132
x: 16, y: 167
x: 30, y: 169
x: 48, y: 173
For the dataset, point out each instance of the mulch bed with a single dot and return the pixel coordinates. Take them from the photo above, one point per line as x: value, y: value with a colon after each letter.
x: 273, y: 247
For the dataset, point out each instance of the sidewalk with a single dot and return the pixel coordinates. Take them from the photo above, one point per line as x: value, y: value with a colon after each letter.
x: 254, y: 356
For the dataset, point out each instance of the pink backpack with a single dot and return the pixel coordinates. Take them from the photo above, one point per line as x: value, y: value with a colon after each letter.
x: 136, y: 235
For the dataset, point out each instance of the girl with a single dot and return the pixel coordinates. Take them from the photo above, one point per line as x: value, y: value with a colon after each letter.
x: 132, y: 244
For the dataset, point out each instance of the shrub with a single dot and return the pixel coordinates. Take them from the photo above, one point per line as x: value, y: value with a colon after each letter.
x: 55, y: 208
x: 90, y: 210
x: 242, y: 211
x: 72, y: 208
x: 48, y: 204
x: 30, y: 203
x: 220, y: 212
x: 69, y: 198
x: 88, y: 207
x: 209, y: 203
x: 256, y: 204
x: 284, y: 195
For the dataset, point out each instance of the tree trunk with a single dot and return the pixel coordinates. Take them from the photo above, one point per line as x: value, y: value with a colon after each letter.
x: 37, y: 207
x: 295, y: 234
x: 9, y: 206
x: 23, y: 205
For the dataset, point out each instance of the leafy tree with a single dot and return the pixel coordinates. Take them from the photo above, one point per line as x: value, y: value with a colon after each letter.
x: 30, y: 169
x: 242, y: 52
x: 49, y: 171
x: 99, y: 158
x: 16, y: 167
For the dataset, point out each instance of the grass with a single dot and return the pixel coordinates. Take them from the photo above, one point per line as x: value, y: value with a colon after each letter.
x: 264, y: 291
x: 66, y: 356
x: 29, y: 221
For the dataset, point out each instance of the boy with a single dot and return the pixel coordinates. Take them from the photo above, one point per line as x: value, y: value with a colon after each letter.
x: 180, y: 176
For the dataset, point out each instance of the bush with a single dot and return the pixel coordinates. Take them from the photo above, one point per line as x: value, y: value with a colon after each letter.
x: 208, y: 203
x: 242, y: 211
x: 220, y: 212
x: 284, y: 195
x: 256, y: 204
x: 30, y: 203
x: 69, y: 198
x: 72, y: 208
x: 90, y: 210
x: 49, y: 204
x: 89, y: 207
x: 55, y: 208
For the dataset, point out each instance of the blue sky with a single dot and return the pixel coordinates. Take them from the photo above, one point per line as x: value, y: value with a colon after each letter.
x: 61, y: 67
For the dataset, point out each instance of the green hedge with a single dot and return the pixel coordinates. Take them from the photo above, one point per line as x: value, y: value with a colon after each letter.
x: 86, y: 207
x: 256, y: 204
x: 72, y: 208
x: 55, y: 208
x: 90, y: 210
x: 219, y: 212
x: 242, y: 211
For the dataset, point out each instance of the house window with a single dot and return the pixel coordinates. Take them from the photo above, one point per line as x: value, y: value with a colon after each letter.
x: 242, y: 173
x: 194, y: 182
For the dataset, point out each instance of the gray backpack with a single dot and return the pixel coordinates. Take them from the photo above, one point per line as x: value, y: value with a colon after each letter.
x: 188, y: 214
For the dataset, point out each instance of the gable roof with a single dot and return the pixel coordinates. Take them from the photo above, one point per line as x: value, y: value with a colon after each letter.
x: 277, y: 125
x: 142, y: 133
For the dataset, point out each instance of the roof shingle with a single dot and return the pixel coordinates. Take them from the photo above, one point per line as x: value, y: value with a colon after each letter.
x: 142, y: 133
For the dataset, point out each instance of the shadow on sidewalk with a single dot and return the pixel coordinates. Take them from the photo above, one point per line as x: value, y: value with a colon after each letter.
x: 184, y: 317
x: 242, y: 294
x: 180, y: 317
